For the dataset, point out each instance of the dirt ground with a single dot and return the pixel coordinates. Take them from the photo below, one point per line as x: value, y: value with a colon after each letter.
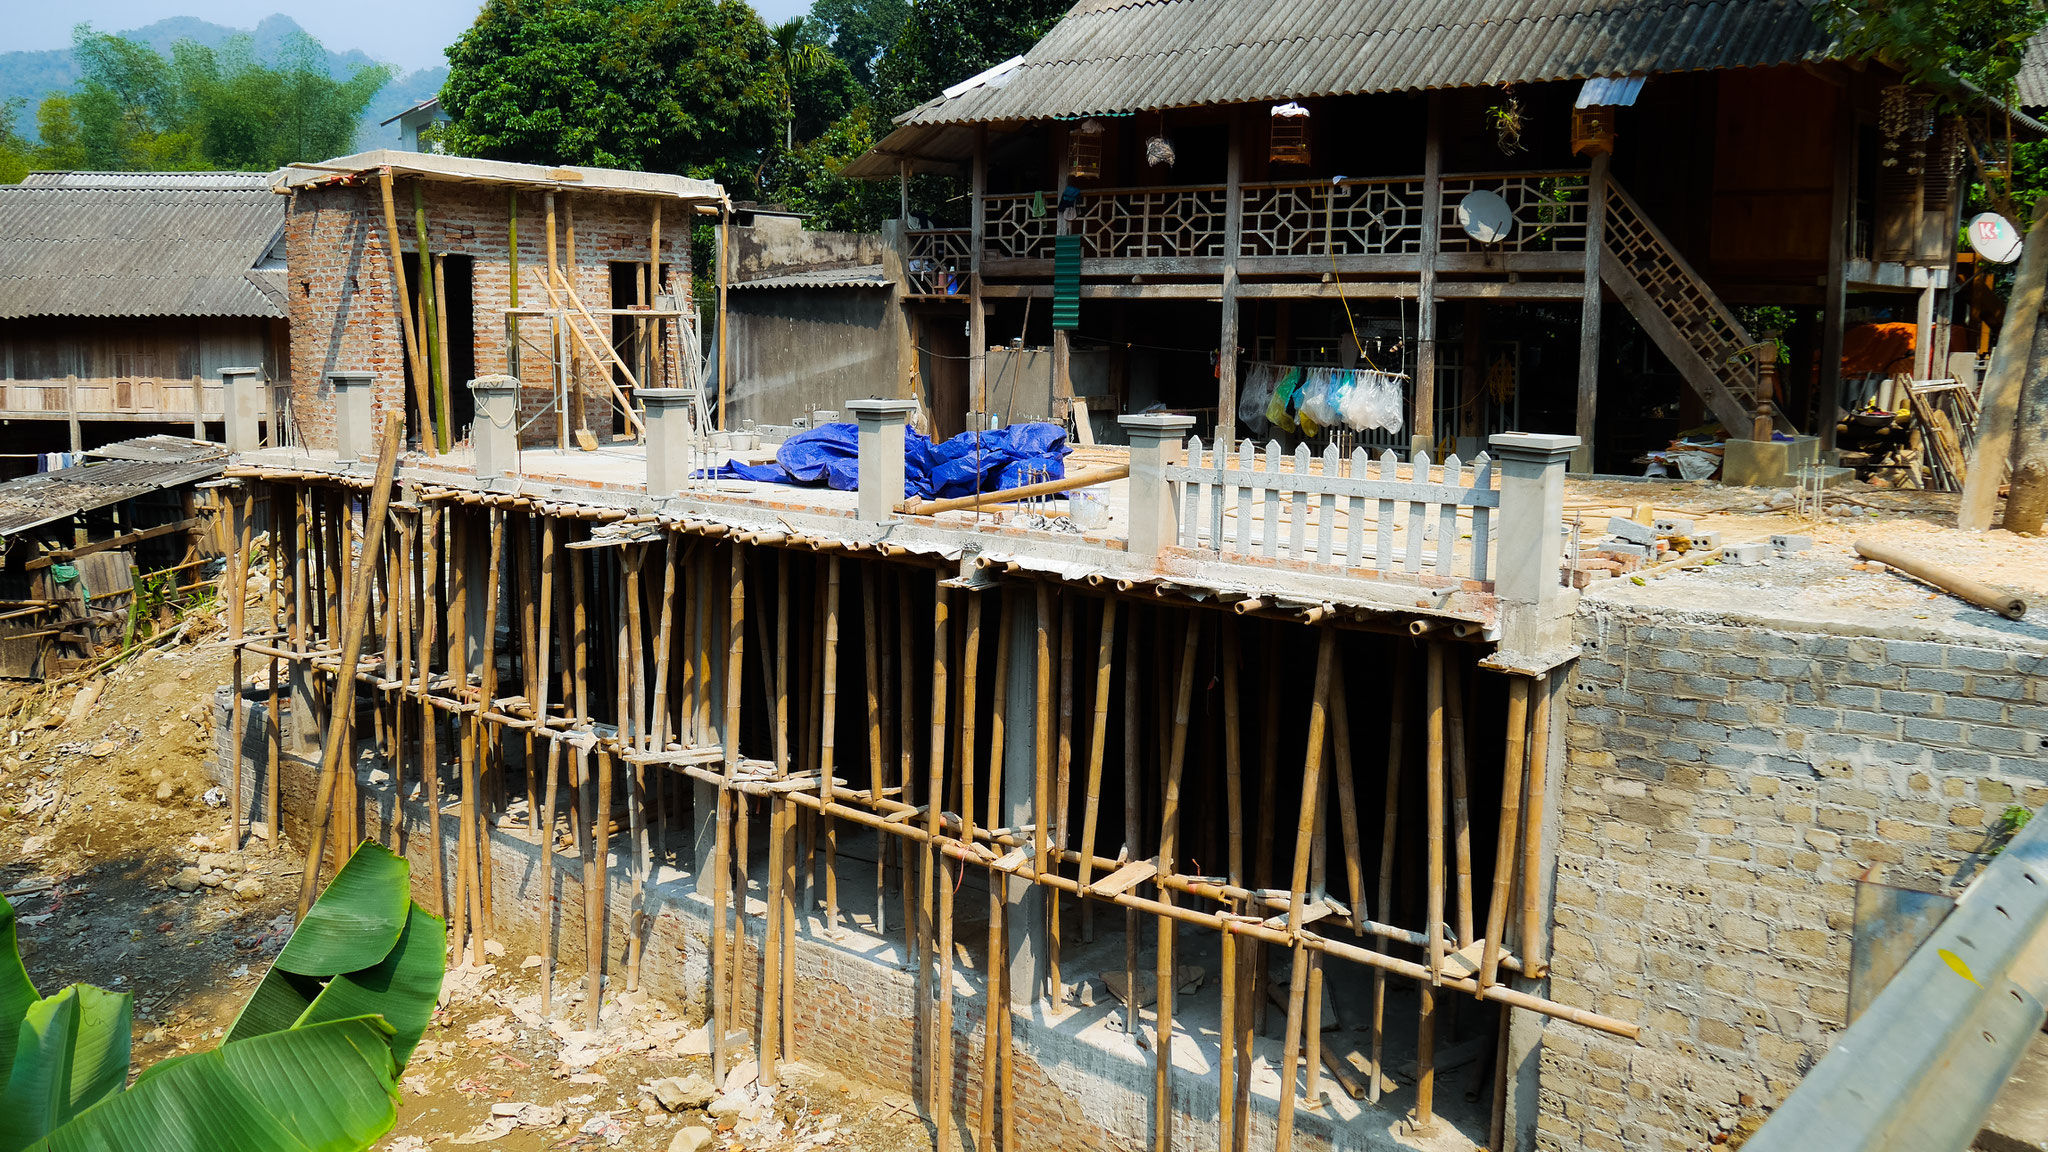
x: 106, y: 815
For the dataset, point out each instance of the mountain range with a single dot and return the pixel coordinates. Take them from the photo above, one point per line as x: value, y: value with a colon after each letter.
x: 30, y: 76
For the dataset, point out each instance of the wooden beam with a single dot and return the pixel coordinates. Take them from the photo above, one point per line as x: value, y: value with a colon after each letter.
x: 1589, y: 315
x: 126, y: 538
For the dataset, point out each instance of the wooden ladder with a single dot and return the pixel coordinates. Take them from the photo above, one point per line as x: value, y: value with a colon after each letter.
x: 1681, y: 313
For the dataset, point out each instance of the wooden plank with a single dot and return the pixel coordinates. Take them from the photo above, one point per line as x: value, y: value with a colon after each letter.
x: 126, y: 538
x: 1122, y: 880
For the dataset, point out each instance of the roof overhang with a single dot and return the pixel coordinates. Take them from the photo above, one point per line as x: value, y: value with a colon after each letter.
x: 705, y: 194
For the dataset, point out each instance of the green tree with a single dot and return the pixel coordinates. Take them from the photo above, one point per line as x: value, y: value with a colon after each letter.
x: 16, y: 154
x: 807, y: 180
x: 945, y: 41
x: 57, y: 125
x: 686, y: 86
x: 858, y: 31
x: 798, y: 56
x: 1933, y: 41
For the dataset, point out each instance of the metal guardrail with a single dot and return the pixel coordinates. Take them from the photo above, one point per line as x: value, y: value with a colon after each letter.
x: 1920, y: 1068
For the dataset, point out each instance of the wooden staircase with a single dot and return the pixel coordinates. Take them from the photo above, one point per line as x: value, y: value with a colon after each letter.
x: 1688, y: 322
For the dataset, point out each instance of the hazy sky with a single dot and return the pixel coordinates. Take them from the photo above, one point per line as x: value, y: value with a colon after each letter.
x: 408, y: 33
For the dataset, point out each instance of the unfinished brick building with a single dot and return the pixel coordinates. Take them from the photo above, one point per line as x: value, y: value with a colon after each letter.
x: 616, y: 316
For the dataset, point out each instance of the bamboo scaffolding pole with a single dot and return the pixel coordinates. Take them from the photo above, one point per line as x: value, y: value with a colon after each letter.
x: 402, y: 306
x: 787, y: 969
x: 906, y: 748
x: 1105, y: 655
x: 1042, y: 751
x: 664, y: 649
x: 430, y: 760
x: 487, y: 741
x: 1312, y: 1061
x: 1133, y: 805
x: 402, y: 580
x: 523, y: 599
x: 1424, y: 1118
x: 278, y: 575
x: 1269, y: 783
x: 1226, y: 1034
x: 632, y: 557
x: 466, y: 757
x: 1312, y: 1027
x: 430, y: 322
x: 935, y: 792
x: 1297, y: 985
x: 237, y: 610
x: 943, y: 1115
x: 995, y: 1030
x: 1061, y: 783
x: 871, y: 657
x: 1397, y: 721
x: 1169, y: 841
x: 736, y: 624
x: 1534, y: 961
x: 1510, y: 823
x: 1461, y: 812
x: 770, y: 1046
x: 827, y: 725
x: 351, y: 650
x: 594, y: 809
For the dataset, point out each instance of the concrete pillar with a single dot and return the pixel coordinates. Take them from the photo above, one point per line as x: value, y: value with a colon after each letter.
x: 668, y: 413
x: 1023, y: 901
x: 242, y: 407
x: 881, y: 454
x: 496, y: 431
x: 1155, y: 443
x: 355, y: 433
x: 1535, y: 605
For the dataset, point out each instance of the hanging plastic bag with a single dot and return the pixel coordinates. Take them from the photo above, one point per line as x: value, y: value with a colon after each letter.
x: 1319, y: 403
x: 1359, y: 407
x: 1279, y: 412
x: 1258, y: 392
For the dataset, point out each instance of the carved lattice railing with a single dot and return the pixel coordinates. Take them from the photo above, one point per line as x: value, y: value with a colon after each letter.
x: 1113, y: 223
x: 1353, y: 218
x: 938, y: 259
x: 1550, y: 211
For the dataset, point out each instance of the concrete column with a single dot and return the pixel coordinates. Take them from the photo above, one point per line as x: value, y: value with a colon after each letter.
x: 355, y: 433
x: 1023, y: 901
x: 881, y: 454
x: 242, y: 407
x: 1155, y: 443
x: 1535, y: 605
x: 668, y: 414
x: 496, y: 431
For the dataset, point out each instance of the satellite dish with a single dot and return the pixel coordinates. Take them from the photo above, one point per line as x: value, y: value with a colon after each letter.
x: 1486, y: 217
x: 1994, y: 238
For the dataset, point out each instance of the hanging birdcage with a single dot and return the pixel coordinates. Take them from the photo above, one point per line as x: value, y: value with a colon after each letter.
x: 1289, y: 141
x: 1084, y: 151
x: 1593, y: 130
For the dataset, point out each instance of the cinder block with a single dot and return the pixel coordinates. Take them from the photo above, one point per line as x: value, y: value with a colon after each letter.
x: 1791, y: 543
x: 1745, y: 554
x: 1709, y: 539
x: 1623, y: 528
x: 1622, y: 549
x: 1672, y: 526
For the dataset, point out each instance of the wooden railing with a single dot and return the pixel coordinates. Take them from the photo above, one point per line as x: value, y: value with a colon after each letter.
x: 938, y: 260
x: 1322, y: 218
x: 171, y: 400
x: 1380, y: 216
x: 1346, y: 512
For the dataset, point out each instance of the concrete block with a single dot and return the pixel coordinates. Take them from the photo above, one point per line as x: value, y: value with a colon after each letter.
x: 1708, y: 539
x: 1623, y: 528
x: 1745, y: 554
x: 1792, y: 543
x: 1671, y: 526
x: 1622, y: 549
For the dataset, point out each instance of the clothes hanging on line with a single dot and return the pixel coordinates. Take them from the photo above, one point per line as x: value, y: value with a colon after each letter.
x: 1310, y: 400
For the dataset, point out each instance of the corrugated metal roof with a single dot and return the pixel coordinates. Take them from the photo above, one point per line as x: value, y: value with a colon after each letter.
x: 143, y: 251
x: 1108, y: 57
x: 862, y: 276
x: 161, y: 449
x: 30, y: 501
x: 2031, y: 86
x: 173, y: 181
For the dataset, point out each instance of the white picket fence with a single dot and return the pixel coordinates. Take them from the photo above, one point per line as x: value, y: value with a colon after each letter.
x: 1347, y: 512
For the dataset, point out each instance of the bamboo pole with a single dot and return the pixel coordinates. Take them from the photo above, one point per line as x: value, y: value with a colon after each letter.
x: 1105, y: 654
x: 633, y: 728
x: 1347, y: 797
x: 1312, y: 1028
x: 906, y: 746
x: 770, y: 1047
x: 1269, y: 783
x: 351, y: 652
x: 935, y: 793
x: 995, y: 1058
x: 829, y: 722
x: 430, y: 326
x: 1062, y: 779
x: 736, y: 623
x: 1461, y: 813
x: 552, y: 277
x: 487, y: 742
x: 1534, y: 963
x: 273, y: 790
x: 1311, y: 787
x: 1226, y: 1063
x: 1169, y: 841
x: 871, y: 655
x: 237, y: 610
x: 1510, y: 823
x: 1397, y: 720
x: 1041, y: 733
x: 430, y: 756
x: 470, y: 899
x: 1312, y: 1062
x: 445, y: 380
x: 596, y: 809
x: 1133, y: 805
x: 1433, y: 748
x: 402, y: 600
x: 942, y: 1116
x: 402, y: 307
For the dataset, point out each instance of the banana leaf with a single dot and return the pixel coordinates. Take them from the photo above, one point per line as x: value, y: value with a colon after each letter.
x: 17, y: 992
x: 71, y: 1052
x: 327, y: 1088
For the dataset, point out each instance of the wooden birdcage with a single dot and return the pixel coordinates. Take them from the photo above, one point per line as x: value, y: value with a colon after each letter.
x: 1084, y: 151
x: 1593, y: 130
x: 1289, y: 143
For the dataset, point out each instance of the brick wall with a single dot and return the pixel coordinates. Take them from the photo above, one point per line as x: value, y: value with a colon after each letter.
x: 1725, y: 785
x: 344, y: 313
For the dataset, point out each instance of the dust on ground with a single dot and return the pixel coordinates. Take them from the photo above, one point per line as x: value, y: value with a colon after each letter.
x: 116, y: 856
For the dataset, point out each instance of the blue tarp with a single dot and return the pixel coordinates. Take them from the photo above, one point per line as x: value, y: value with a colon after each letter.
x: 968, y: 463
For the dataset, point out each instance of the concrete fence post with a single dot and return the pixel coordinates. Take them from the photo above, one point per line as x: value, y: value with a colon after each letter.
x: 355, y: 432
x: 244, y: 405
x: 1155, y: 517
x: 1531, y: 592
x: 495, y: 434
x: 667, y: 412
x: 881, y: 454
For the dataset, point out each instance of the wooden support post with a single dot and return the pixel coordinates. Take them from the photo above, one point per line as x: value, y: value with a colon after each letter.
x: 1589, y: 315
x: 595, y: 810
x: 906, y: 746
x: 469, y: 899
x: 1312, y: 1060
x: 827, y: 725
x: 1133, y: 805
x: 430, y: 756
x: 1397, y: 720
x: 633, y: 734
x: 995, y: 1057
x: 1098, y: 732
x: 1835, y: 280
x: 1311, y: 788
x: 935, y: 795
x: 977, y: 339
x: 872, y: 645
x: 487, y: 734
x: 1347, y: 799
x: 1042, y: 746
x: 1534, y: 963
x: 1510, y: 823
x: 238, y: 584
x: 351, y: 652
x: 723, y: 1011
x: 772, y: 958
x: 1433, y: 749
x: 724, y: 272
x: 279, y: 520
x: 1062, y: 784
x: 1425, y: 432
